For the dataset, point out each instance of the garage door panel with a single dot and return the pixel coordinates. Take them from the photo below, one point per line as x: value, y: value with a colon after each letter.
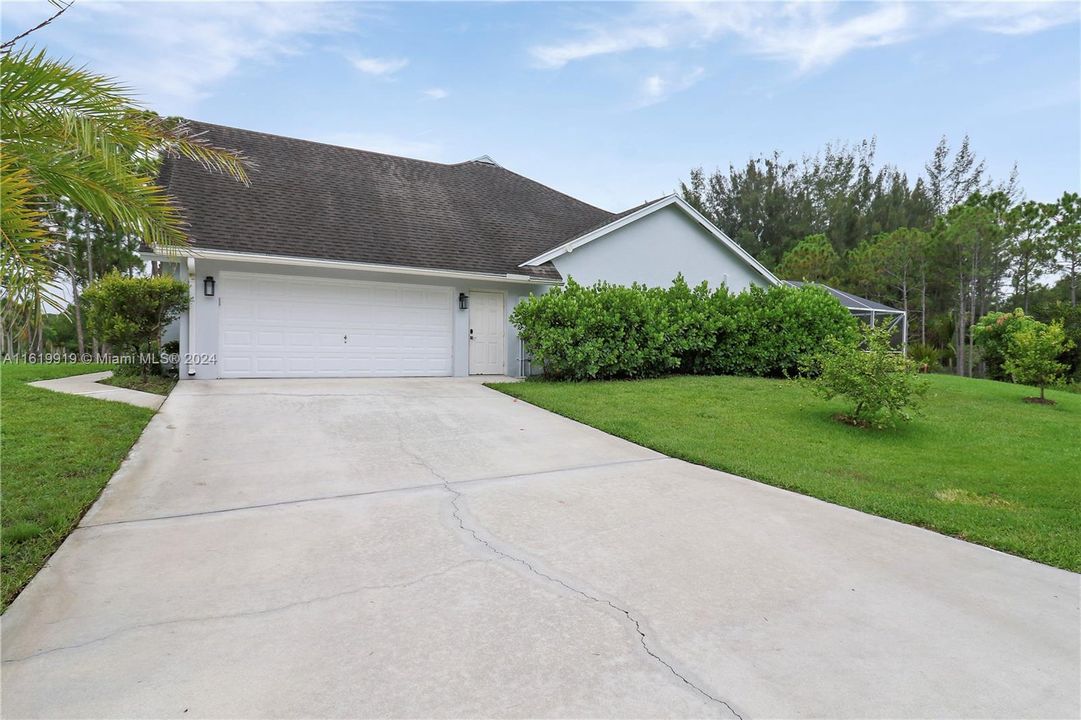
x: 277, y: 326
x: 235, y: 338
x: 244, y: 310
x: 263, y: 365
x: 300, y: 340
x: 237, y: 366
x: 269, y: 340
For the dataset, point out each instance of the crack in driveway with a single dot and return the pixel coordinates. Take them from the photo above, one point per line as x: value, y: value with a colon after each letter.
x: 242, y: 613
x: 457, y: 513
x: 363, y: 493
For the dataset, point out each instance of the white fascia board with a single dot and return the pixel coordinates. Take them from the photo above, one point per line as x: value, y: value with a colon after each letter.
x: 166, y: 256
x: 581, y: 240
x: 673, y: 199
x: 225, y: 255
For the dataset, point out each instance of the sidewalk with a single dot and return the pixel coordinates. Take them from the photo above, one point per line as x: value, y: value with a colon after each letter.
x: 88, y: 385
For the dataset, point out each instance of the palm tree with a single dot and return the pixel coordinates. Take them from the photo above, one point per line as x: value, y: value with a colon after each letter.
x: 71, y: 137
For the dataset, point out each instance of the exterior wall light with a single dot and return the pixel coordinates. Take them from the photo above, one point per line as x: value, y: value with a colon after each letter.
x: 463, y: 301
x: 208, y: 286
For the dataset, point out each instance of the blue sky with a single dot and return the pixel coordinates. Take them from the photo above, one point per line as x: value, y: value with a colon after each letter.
x: 610, y: 102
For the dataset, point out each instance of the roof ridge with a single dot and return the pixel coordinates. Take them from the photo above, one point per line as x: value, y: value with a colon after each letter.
x: 549, y: 188
x: 321, y: 142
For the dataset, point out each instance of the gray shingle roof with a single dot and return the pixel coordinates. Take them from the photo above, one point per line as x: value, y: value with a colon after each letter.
x: 312, y: 200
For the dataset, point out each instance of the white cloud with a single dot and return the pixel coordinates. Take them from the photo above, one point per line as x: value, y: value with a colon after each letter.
x: 653, y: 86
x: 386, y: 143
x: 814, y: 39
x: 437, y: 93
x: 807, y: 35
x: 173, y: 54
x: 1014, y: 18
x: 659, y: 85
x: 603, y: 41
x: 378, y: 66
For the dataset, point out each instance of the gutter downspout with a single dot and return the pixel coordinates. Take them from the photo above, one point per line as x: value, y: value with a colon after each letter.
x: 191, y: 315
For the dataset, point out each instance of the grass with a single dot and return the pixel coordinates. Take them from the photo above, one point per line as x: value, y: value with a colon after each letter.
x: 56, y: 454
x: 980, y: 465
x: 151, y: 383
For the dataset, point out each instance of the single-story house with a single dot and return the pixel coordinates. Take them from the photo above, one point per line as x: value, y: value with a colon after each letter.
x: 336, y: 262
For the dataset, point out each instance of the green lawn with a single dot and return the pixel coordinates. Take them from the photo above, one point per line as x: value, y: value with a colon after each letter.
x: 56, y: 454
x: 980, y: 465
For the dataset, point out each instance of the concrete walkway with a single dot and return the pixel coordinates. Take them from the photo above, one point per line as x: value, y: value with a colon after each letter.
x: 432, y: 548
x: 89, y: 384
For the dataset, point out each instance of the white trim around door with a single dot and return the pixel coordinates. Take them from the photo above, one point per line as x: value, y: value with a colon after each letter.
x: 487, y: 333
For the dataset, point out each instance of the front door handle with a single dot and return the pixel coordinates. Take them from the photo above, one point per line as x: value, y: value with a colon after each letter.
x: 470, y: 333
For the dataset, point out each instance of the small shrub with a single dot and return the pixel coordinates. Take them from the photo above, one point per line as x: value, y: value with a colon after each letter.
x: 1032, y: 355
x: 881, y: 385
x: 926, y: 357
x: 130, y: 313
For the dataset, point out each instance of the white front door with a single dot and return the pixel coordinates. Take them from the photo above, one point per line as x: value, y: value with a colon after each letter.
x: 292, y: 326
x: 487, y: 341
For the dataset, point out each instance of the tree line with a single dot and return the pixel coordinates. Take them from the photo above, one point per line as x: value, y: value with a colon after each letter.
x: 948, y: 247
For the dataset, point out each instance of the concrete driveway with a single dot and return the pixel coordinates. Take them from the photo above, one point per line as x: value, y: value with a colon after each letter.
x: 416, y: 548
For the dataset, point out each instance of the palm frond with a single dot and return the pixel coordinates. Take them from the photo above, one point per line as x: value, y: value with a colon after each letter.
x: 69, y: 135
x: 123, y: 201
x: 175, y: 137
x: 33, y: 85
x: 25, y: 268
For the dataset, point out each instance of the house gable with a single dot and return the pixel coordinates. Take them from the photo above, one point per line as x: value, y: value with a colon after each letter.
x: 652, y: 246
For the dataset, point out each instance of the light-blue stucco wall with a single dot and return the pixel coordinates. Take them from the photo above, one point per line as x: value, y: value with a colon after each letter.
x: 656, y: 248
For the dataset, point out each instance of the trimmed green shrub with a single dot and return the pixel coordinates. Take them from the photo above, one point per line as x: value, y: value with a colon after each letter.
x: 880, y: 384
x: 130, y: 313
x: 602, y: 331
x: 610, y: 331
x: 771, y: 330
x: 697, y: 318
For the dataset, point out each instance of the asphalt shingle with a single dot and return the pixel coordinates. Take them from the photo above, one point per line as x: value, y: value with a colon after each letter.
x: 313, y: 200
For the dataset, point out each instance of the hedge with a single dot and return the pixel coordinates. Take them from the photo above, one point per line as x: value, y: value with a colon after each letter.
x: 611, y: 331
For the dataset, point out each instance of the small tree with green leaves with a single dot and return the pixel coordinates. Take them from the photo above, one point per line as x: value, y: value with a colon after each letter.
x: 991, y: 335
x: 881, y: 384
x: 130, y: 313
x: 1032, y: 356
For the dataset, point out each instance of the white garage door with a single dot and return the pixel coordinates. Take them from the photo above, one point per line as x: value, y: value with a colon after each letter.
x: 283, y: 326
